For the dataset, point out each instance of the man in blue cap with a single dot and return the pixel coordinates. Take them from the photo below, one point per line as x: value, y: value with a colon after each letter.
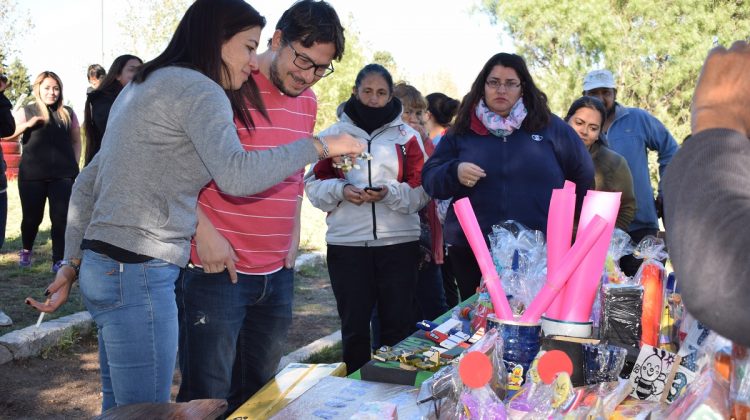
x: 632, y: 132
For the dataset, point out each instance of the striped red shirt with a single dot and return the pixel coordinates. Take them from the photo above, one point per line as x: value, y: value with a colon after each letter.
x: 260, y: 226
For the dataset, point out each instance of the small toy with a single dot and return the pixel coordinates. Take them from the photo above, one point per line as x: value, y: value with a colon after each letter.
x: 346, y: 163
x: 426, y: 325
x: 435, y: 336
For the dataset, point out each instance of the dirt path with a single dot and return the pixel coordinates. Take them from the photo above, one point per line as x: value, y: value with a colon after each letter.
x: 65, y: 383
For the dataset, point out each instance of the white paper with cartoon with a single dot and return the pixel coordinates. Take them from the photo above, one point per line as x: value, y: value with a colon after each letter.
x: 653, y: 373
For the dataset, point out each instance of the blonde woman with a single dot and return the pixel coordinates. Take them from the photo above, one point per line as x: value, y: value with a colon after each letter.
x: 51, y: 141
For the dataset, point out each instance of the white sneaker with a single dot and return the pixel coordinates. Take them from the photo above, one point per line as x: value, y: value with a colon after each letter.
x: 5, y: 320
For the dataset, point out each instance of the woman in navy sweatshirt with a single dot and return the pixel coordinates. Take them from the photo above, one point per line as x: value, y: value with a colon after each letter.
x: 506, y: 152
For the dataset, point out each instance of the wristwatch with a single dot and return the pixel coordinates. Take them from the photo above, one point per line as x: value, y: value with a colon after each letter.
x: 74, y: 263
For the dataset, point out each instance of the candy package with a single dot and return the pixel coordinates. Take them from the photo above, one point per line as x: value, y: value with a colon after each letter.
x: 520, y: 257
x: 651, y: 276
x: 619, y: 246
x: 477, y: 400
x: 621, y: 315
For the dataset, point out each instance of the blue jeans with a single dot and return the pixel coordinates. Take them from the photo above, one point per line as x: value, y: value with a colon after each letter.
x: 231, y: 335
x: 134, y: 308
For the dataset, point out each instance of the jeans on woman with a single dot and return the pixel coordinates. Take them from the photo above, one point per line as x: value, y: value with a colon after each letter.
x: 232, y: 336
x: 135, y: 312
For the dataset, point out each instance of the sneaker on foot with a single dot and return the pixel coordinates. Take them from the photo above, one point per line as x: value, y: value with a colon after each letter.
x: 5, y: 320
x: 56, y: 266
x: 24, y: 258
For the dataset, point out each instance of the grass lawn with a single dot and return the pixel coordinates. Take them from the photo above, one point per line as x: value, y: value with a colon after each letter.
x: 330, y: 354
x: 17, y: 283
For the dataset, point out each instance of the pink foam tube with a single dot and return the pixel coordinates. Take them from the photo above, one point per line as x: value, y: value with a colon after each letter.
x: 560, y: 218
x: 555, y: 282
x: 468, y: 221
x: 581, y: 289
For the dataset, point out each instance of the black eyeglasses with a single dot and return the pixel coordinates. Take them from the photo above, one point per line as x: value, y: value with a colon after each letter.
x: 508, y: 85
x: 304, y: 63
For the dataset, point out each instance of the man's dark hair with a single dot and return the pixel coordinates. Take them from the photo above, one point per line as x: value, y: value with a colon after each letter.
x: 534, y: 99
x: 197, y: 43
x: 311, y: 21
x: 95, y: 71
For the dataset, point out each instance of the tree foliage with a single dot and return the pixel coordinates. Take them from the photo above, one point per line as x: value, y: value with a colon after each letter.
x: 156, y: 21
x: 336, y: 88
x: 655, y: 49
x: 386, y: 59
x: 10, y: 22
x: 19, y: 83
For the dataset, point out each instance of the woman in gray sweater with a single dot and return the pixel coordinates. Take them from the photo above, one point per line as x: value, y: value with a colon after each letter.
x: 132, y: 211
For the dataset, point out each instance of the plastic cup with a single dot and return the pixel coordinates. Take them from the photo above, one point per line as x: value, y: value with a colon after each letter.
x: 602, y: 363
x: 521, y: 343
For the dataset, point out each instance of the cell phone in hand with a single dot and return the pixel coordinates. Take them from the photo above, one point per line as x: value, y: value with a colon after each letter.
x: 376, y: 189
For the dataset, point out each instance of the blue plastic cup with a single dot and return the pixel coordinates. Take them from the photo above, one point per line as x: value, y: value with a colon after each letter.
x: 521, y: 343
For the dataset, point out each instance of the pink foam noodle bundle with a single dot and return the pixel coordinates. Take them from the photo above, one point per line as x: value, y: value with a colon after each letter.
x: 556, y: 281
x: 581, y: 289
x: 469, y: 224
x: 560, y: 219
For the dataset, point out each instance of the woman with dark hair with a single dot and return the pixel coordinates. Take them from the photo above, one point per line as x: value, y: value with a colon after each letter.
x: 430, y: 298
x: 441, y: 109
x: 133, y: 208
x: 100, y: 100
x: 611, y: 173
x: 373, y: 226
x: 51, y: 144
x: 506, y: 152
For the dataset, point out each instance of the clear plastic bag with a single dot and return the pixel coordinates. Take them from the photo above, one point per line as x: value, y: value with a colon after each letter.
x: 480, y: 404
x: 619, y: 246
x: 520, y: 257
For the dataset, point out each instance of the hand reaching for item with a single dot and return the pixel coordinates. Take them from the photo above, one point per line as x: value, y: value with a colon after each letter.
x: 469, y: 174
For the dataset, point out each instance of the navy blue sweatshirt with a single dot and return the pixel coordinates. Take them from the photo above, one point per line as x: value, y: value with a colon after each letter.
x: 522, y: 169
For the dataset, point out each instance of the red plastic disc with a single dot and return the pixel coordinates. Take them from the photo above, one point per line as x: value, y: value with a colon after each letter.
x: 475, y: 369
x: 553, y: 362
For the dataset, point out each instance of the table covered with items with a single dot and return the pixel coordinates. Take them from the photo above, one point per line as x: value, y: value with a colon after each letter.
x: 556, y: 330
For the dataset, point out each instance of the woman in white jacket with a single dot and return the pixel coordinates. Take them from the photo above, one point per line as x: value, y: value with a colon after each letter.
x: 373, y: 226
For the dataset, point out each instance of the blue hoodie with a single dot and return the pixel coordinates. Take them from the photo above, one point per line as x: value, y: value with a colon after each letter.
x: 522, y: 170
x: 632, y: 134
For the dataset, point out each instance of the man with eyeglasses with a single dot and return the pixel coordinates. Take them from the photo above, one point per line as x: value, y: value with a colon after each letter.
x: 632, y: 132
x: 235, y: 298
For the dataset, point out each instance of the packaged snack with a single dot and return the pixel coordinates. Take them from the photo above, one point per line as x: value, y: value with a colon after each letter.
x: 651, y: 276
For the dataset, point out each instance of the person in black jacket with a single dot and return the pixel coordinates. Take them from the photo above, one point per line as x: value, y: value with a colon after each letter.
x: 506, y: 152
x: 7, y: 127
x: 100, y: 100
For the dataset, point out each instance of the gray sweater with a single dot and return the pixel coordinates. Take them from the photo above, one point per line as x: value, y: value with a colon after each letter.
x: 166, y: 138
x: 707, y: 216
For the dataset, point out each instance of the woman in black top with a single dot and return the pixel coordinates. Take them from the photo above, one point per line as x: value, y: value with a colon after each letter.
x: 49, y: 164
x: 100, y: 100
